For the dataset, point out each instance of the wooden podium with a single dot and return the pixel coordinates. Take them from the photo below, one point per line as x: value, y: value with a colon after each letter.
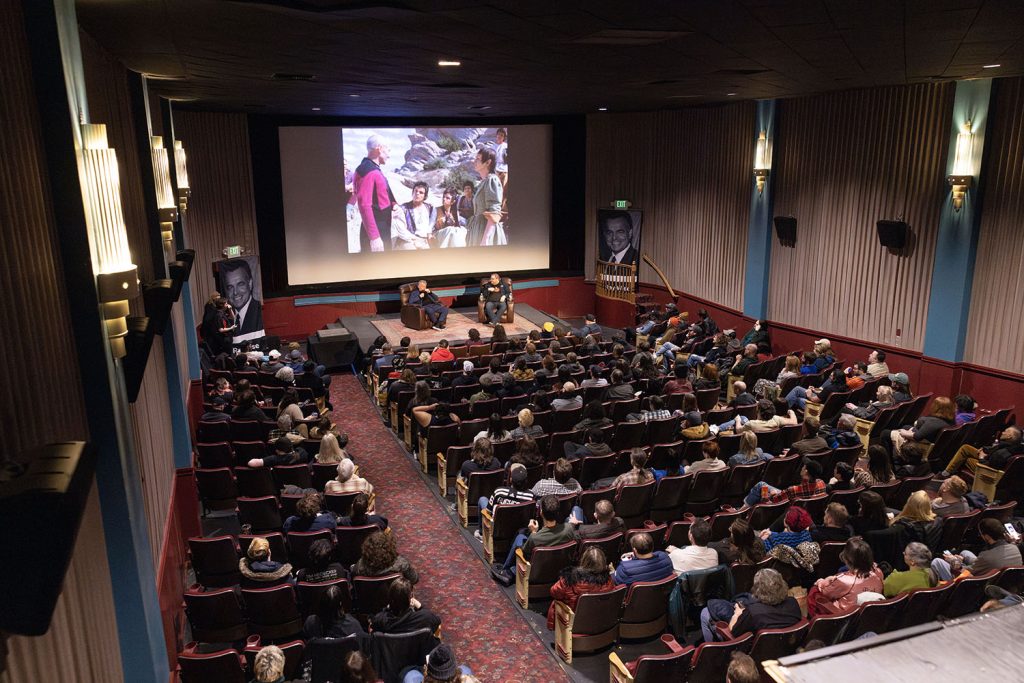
x: 615, y: 286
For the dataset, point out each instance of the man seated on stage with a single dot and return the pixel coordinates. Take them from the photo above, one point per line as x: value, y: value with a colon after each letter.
x: 436, y: 312
x: 495, y: 295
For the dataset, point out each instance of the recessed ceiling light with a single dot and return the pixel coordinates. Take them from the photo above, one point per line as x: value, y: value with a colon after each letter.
x: 602, y: 108
x: 448, y: 62
x: 316, y: 108
x: 729, y: 94
x: 991, y: 66
x: 353, y: 95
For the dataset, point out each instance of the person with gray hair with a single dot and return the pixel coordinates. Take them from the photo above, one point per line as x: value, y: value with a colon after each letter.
x: 768, y: 605
x: 286, y: 428
x: 268, y: 666
x: 374, y: 196
x: 348, y: 481
x: 918, y: 575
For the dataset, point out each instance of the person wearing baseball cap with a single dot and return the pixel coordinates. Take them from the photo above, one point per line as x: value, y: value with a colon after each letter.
x: 467, y: 377
x: 900, y: 387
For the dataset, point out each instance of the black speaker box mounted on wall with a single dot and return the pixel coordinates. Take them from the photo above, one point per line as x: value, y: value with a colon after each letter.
x: 785, y: 228
x: 892, y: 234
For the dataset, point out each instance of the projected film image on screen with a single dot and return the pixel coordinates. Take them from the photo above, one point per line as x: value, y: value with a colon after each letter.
x: 383, y: 202
x: 446, y: 187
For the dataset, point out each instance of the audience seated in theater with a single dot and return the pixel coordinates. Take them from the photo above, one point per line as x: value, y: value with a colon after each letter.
x: 878, y: 471
x: 594, y: 378
x: 798, y: 397
x: 768, y: 605
x: 836, y: 525
x: 348, y: 481
x: 966, y: 409
x: 999, y: 553
x: 843, y: 435
x: 680, y: 381
x: 406, y: 382
x: 555, y: 351
x: 530, y: 354
x: 605, y: 522
x: 441, y: 353
x: 838, y: 594
x: 742, y: 546
x: 286, y: 428
x: 222, y: 389
x: 516, y: 490
x: 551, y: 531
x: 442, y: 667
x: 917, y: 522
x: 900, y: 384
x: 572, y: 363
x: 404, y: 613
x: 744, y: 361
x: 357, y: 668
x: 434, y: 415
x: 285, y: 377
x: 766, y: 421
x: 950, y: 500
x: 618, y: 390
x: 924, y: 431
x: 322, y: 427
x: 644, y: 563
x: 693, y: 427
x: 657, y: 411
x: 591, y: 575
x: 742, y: 669
x: 918, y: 575
x: 330, y: 619
x: 697, y: 555
x: 358, y: 515
x: 741, y: 397
x: 996, y: 455
x: 380, y: 557
x: 811, y: 441
x: 871, y: 514
x: 548, y: 371
x: 422, y: 370
x: 310, y: 517
x: 868, y: 410
x: 481, y: 458
x: 259, y: 570
x: 711, y: 461
x: 842, y: 478
x: 285, y: 453
x: 810, y: 485
x: 332, y: 449
x: 807, y: 366
x: 467, y: 377
x: 595, y: 445
x: 495, y: 430
x: 749, y: 452
x: 593, y: 416
x: 522, y: 374
x: 589, y: 346
x: 245, y: 408
x: 674, y: 467
x: 877, y: 366
x: 274, y: 362
x: 638, y: 473
x: 526, y: 426
x: 321, y: 567
x: 488, y: 389
x: 268, y: 665
x: 796, y: 529
x: 568, y: 398
x: 289, y: 405
x: 217, y: 411
x: 823, y: 354
x: 561, y: 483
x: 527, y: 453
x: 311, y: 380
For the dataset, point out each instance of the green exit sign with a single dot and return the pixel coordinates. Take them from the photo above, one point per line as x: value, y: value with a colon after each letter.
x: 622, y: 203
x: 233, y: 252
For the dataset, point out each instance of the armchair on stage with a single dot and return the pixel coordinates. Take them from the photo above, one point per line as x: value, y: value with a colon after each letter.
x: 412, y: 316
x: 509, y: 315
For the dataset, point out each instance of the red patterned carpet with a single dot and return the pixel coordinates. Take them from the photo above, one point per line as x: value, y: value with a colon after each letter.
x: 480, y: 623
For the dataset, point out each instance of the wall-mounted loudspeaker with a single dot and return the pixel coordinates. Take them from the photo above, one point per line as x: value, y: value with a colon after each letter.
x: 785, y: 228
x: 892, y: 234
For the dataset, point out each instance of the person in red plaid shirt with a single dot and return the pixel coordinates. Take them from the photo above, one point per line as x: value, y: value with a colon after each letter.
x: 810, y: 485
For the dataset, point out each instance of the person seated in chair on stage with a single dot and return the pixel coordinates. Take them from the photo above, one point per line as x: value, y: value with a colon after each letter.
x: 495, y: 295
x: 437, y: 313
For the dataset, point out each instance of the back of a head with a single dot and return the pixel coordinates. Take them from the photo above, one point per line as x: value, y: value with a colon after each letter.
x: 358, y: 668
x: 549, y: 508
x: 320, y: 552
x: 700, y: 532
x: 770, y: 588
x: 360, y: 504
x: 595, y: 435
x: 331, y: 605
x: 811, y: 425
x: 813, y: 468
x: 857, y: 555
x: 765, y: 409
x: 562, y: 470
x: 268, y: 666
x: 399, y: 596
x: 742, y: 669
x: 604, y: 511
x: 309, y: 505
x: 838, y: 513
x: 283, y: 445
x: 345, y: 470
x: 638, y: 458
x: 642, y: 543
x: 991, y: 527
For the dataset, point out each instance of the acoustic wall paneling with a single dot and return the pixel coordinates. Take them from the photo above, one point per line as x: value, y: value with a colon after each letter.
x: 82, y: 642
x: 691, y: 173
x: 221, y: 211
x: 996, y: 324
x: 842, y: 161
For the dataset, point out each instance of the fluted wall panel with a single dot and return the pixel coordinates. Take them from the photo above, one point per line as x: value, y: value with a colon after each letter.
x: 82, y: 642
x: 996, y: 324
x: 221, y: 211
x: 109, y: 102
x: 691, y: 173
x: 842, y: 161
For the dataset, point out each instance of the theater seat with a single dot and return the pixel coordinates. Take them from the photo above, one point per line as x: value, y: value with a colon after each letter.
x: 223, y: 666
x: 509, y: 315
x: 593, y: 625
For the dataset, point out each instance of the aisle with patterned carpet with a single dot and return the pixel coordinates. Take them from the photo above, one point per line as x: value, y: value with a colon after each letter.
x: 480, y: 623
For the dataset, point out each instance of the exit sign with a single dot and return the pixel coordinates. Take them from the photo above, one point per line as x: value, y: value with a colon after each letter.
x: 233, y: 252
x: 622, y: 203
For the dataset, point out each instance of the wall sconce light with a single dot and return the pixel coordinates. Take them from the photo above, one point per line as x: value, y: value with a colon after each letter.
x: 963, y: 171
x: 762, y: 160
x: 117, y: 278
x: 166, y: 205
x: 181, y: 172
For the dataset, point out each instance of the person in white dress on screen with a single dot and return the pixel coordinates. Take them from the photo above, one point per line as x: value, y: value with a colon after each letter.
x: 418, y: 227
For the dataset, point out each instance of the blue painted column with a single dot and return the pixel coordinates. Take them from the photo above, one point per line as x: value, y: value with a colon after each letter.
x: 953, y: 272
x: 759, y: 231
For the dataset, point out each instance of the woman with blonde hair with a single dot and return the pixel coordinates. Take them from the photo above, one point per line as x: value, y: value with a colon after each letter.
x: 749, y: 453
x: 332, y: 448
x: 917, y: 521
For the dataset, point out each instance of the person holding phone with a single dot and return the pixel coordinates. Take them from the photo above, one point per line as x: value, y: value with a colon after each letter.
x: 553, y: 531
x: 999, y: 553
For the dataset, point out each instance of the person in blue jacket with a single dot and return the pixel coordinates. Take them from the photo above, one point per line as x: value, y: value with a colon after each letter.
x: 644, y: 563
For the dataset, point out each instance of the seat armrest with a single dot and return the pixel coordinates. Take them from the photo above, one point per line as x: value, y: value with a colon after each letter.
x: 522, y: 579
x: 442, y: 474
x: 564, y: 621
x: 617, y: 671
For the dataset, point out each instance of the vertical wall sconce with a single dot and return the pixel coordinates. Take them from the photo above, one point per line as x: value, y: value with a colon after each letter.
x: 181, y: 172
x: 963, y: 166
x: 166, y: 205
x: 762, y: 160
x: 117, y: 278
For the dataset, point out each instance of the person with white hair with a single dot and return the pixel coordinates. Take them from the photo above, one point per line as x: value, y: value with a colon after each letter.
x: 348, y: 481
x: 268, y: 667
x: 374, y: 197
